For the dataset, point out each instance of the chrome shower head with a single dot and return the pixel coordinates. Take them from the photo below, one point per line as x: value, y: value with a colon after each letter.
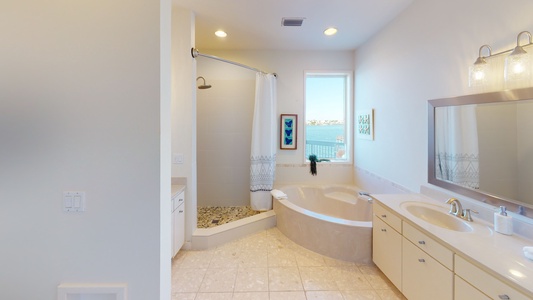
x: 203, y: 86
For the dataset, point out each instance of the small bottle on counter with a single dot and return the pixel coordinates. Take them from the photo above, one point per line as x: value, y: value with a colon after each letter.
x: 502, y: 222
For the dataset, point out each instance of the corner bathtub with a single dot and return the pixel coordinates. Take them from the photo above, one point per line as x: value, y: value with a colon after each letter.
x: 330, y: 220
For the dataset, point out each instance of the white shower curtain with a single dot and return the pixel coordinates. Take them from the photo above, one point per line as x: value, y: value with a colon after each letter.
x: 456, y: 145
x: 263, y: 154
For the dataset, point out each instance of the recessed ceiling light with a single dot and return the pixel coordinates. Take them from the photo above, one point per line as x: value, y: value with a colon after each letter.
x: 330, y: 31
x: 221, y: 33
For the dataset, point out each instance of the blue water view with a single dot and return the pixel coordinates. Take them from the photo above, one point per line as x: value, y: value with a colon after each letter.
x: 324, y: 133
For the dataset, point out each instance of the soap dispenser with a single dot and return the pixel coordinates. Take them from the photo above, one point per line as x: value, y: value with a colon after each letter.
x: 502, y: 222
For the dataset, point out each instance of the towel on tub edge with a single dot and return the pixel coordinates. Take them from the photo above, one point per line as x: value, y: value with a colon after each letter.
x: 278, y: 194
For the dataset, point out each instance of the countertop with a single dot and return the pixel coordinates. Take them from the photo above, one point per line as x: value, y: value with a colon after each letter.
x: 176, y: 189
x: 500, y: 255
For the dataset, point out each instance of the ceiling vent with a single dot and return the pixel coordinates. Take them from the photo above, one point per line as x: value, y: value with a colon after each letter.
x: 292, y: 22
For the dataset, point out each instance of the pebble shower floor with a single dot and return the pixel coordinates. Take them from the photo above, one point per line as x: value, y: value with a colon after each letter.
x: 211, y: 216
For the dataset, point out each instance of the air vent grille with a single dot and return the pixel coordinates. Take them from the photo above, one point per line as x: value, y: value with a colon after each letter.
x: 292, y: 21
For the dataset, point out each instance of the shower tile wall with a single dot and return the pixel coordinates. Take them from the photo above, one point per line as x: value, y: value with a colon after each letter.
x: 224, y: 124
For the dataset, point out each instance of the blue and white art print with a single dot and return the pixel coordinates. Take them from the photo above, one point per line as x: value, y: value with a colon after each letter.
x: 288, y: 132
x: 364, y: 126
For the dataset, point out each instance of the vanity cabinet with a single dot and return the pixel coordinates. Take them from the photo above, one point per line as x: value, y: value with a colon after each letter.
x: 423, y: 277
x: 484, y: 283
x: 178, y: 222
x: 387, y: 244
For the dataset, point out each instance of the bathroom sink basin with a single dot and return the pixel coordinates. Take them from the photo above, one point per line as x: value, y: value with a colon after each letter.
x: 436, y: 215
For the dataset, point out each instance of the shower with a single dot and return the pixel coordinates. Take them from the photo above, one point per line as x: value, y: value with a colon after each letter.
x: 203, y: 86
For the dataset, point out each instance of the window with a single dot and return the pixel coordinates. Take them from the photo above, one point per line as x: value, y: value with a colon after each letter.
x: 328, y: 115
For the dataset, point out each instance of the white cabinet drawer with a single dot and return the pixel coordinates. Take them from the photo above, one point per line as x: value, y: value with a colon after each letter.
x: 178, y: 200
x: 464, y: 291
x: 429, y: 245
x: 387, y: 216
x: 485, y: 282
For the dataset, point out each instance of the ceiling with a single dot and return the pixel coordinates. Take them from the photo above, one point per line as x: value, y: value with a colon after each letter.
x: 256, y: 24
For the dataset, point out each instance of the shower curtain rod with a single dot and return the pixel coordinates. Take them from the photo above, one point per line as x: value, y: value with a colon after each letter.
x: 195, y: 53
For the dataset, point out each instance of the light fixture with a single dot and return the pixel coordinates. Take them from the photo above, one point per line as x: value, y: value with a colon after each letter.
x: 479, y: 71
x: 221, y: 33
x: 330, y: 31
x: 516, y: 71
x: 517, y: 63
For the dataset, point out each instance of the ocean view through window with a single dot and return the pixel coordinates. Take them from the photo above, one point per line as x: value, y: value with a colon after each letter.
x: 328, y: 115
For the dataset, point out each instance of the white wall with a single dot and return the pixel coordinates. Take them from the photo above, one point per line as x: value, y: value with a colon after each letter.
x: 424, y: 54
x: 225, y: 115
x: 290, y: 67
x: 184, y: 110
x: 81, y: 88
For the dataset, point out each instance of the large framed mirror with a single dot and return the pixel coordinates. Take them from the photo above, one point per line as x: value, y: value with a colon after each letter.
x: 481, y: 146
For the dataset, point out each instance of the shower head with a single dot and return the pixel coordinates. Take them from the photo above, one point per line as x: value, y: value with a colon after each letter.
x: 203, y: 86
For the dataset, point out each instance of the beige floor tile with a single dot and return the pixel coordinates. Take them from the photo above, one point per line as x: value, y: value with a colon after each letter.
x: 324, y: 295
x: 218, y: 280
x: 317, y: 279
x: 214, y: 296
x: 183, y: 296
x: 360, y: 295
x: 306, y: 258
x: 284, y: 279
x: 392, y: 294
x: 251, y: 280
x: 287, y: 296
x: 196, y: 259
x: 225, y: 260
x: 187, y: 280
x: 253, y: 259
x: 282, y: 258
x: 251, y: 296
x: 379, y: 282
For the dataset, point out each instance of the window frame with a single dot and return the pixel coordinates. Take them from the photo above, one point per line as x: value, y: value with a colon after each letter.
x: 348, y: 111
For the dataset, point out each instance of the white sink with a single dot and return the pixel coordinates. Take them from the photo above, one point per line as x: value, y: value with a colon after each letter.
x: 436, y: 215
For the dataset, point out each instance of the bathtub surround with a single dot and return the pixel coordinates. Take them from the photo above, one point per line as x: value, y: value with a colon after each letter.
x: 330, y: 219
x: 264, y: 137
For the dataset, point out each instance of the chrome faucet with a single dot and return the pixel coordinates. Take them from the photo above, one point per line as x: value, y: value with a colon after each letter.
x: 456, y: 208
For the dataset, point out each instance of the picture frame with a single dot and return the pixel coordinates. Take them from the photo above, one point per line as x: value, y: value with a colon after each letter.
x: 364, y: 124
x: 288, y: 132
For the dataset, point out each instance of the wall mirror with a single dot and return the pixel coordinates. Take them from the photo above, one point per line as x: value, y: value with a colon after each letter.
x: 481, y: 146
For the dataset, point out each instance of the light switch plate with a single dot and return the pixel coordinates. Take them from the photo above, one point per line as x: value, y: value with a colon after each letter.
x: 73, y: 201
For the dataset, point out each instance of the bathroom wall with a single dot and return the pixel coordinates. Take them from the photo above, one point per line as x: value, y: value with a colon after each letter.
x: 224, y: 120
x: 83, y: 86
x: 423, y: 54
x: 183, y: 111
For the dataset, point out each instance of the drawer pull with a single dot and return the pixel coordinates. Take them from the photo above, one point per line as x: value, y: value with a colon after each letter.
x: 180, y: 211
x: 383, y: 216
x: 422, y: 242
x: 180, y: 199
x: 504, y: 297
x: 421, y: 260
x: 383, y: 229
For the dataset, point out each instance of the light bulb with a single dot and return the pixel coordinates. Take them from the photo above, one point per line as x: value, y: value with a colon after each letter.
x: 478, y: 74
x: 517, y: 66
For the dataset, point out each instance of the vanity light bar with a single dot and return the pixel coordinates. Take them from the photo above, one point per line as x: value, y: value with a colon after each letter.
x: 517, y: 64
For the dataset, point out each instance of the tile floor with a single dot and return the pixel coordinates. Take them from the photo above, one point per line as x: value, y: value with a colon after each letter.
x: 268, y: 265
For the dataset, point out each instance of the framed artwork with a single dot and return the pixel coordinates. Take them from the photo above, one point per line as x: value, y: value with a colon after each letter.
x: 364, y: 124
x: 288, y: 132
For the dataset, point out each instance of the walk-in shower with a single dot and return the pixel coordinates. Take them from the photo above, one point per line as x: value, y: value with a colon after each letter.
x: 224, y: 120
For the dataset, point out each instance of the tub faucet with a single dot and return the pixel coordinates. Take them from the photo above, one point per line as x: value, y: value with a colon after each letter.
x: 456, y: 208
